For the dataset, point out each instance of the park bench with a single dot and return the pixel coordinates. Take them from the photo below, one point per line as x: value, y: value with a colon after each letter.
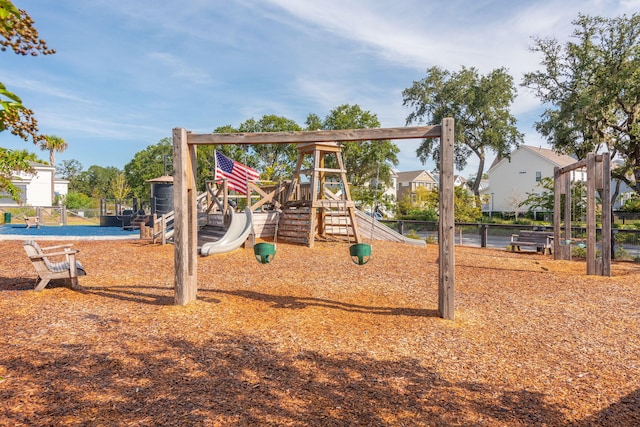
x: 43, y: 260
x: 542, y: 241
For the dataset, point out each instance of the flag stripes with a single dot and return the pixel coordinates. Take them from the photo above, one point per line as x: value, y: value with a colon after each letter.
x: 237, y: 174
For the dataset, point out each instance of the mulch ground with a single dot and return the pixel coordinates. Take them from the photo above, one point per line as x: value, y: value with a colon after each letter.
x: 314, y: 340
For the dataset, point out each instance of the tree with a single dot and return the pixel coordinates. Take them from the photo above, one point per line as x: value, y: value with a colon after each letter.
x: 119, y: 188
x: 591, y: 86
x: 12, y: 162
x: 275, y: 161
x: 96, y: 181
x: 52, y: 143
x: 17, y: 33
x: 75, y: 200
x: 69, y: 169
x: 148, y: 164
x: 480, y: 107
x: 544, y: 199
x: 365, y: 161
x: 424, y: 205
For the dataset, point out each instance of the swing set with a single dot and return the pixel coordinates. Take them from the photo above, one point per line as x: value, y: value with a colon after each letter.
x: 185, y: 194
x: 598, y: 169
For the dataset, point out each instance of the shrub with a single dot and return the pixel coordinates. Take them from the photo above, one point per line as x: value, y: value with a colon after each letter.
x: 75, y: 200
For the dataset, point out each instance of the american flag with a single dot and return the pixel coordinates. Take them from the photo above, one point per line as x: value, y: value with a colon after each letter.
x: 236, y: 173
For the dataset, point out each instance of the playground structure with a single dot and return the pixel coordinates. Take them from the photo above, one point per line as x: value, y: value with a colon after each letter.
x: 321, y: 207
x: 598, y: 178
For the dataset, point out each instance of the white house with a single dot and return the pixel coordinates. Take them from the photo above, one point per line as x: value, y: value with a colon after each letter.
x: 36, y: 189
x: 511, y: 179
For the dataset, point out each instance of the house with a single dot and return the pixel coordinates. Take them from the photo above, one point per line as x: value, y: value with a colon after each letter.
x: 409, y: 182
x: 510, y: 179
x: 36, y: 189
x: 390, y: 190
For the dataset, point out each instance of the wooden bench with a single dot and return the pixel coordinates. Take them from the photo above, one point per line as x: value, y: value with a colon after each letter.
x: 43, y: 260
x: 542, y: 241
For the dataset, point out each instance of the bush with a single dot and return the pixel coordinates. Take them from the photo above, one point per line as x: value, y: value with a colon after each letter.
x: 428, y: 214
x: 75, y: 200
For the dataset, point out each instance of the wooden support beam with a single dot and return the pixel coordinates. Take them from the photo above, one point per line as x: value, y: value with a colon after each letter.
x: 591, y: 214
x: 185, y: 220
x: 606, y: 214
x: 446, y: 225
x: 557, y: 214
x: 568, y: 232
x: 314, y: 136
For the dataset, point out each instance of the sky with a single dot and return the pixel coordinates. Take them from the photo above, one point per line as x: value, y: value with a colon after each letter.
x: 126, y: 73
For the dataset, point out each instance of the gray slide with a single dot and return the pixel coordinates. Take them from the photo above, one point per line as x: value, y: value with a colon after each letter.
x: 237, y: 233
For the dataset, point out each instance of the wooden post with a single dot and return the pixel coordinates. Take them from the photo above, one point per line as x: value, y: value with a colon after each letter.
x: 557, y: 215
x: 315, y: 181
x: 606, y: 215
x: 185, y: 220
x: 446, y: 225
x: 484, y: 234
x: 568, y: 232
x: 591, y: 214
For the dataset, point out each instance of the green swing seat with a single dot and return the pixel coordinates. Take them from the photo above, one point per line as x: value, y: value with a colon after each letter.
x: 360, y: 253
x: 264, y: 252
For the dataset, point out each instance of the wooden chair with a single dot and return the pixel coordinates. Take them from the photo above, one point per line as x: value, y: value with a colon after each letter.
x: 48, y: 269
x: 32, y: 221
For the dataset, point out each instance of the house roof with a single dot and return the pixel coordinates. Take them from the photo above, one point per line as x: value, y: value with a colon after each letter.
x: 411, y: 176
x: 551, y: 156
x: 38, y: 165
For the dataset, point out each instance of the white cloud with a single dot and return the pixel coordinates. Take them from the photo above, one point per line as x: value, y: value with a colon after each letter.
x: 19, y: 83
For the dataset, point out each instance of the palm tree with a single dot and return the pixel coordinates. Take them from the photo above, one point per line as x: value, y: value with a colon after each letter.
x: 53, y: 143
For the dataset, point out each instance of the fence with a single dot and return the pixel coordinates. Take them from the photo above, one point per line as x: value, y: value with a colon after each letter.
x: 625, y: 243
x: 51, y: 215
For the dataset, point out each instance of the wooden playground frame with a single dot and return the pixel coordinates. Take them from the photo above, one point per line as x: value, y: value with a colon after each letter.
x: 185, y: 193
x: 598, y: 178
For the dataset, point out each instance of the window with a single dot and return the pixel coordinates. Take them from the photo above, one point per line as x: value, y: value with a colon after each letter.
x: 538, y: 176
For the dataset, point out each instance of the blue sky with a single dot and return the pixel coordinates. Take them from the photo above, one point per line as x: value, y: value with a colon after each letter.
x: 126, y: 73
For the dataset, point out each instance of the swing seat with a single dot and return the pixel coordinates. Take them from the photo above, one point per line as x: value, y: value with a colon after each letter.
x: 264, y: 252
x: 360, y: 253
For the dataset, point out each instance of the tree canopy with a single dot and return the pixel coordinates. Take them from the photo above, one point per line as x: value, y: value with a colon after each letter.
x: 95, y: 182
x: 365, y: 161
x: 368, y: 163
x: 591, y: 87
x: 53, y: 144
x: 152, y: 162
x: 17, y: 33
x: 480, y: 106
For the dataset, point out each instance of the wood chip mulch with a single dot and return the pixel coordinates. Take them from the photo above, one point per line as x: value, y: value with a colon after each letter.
x: 315, y: 340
